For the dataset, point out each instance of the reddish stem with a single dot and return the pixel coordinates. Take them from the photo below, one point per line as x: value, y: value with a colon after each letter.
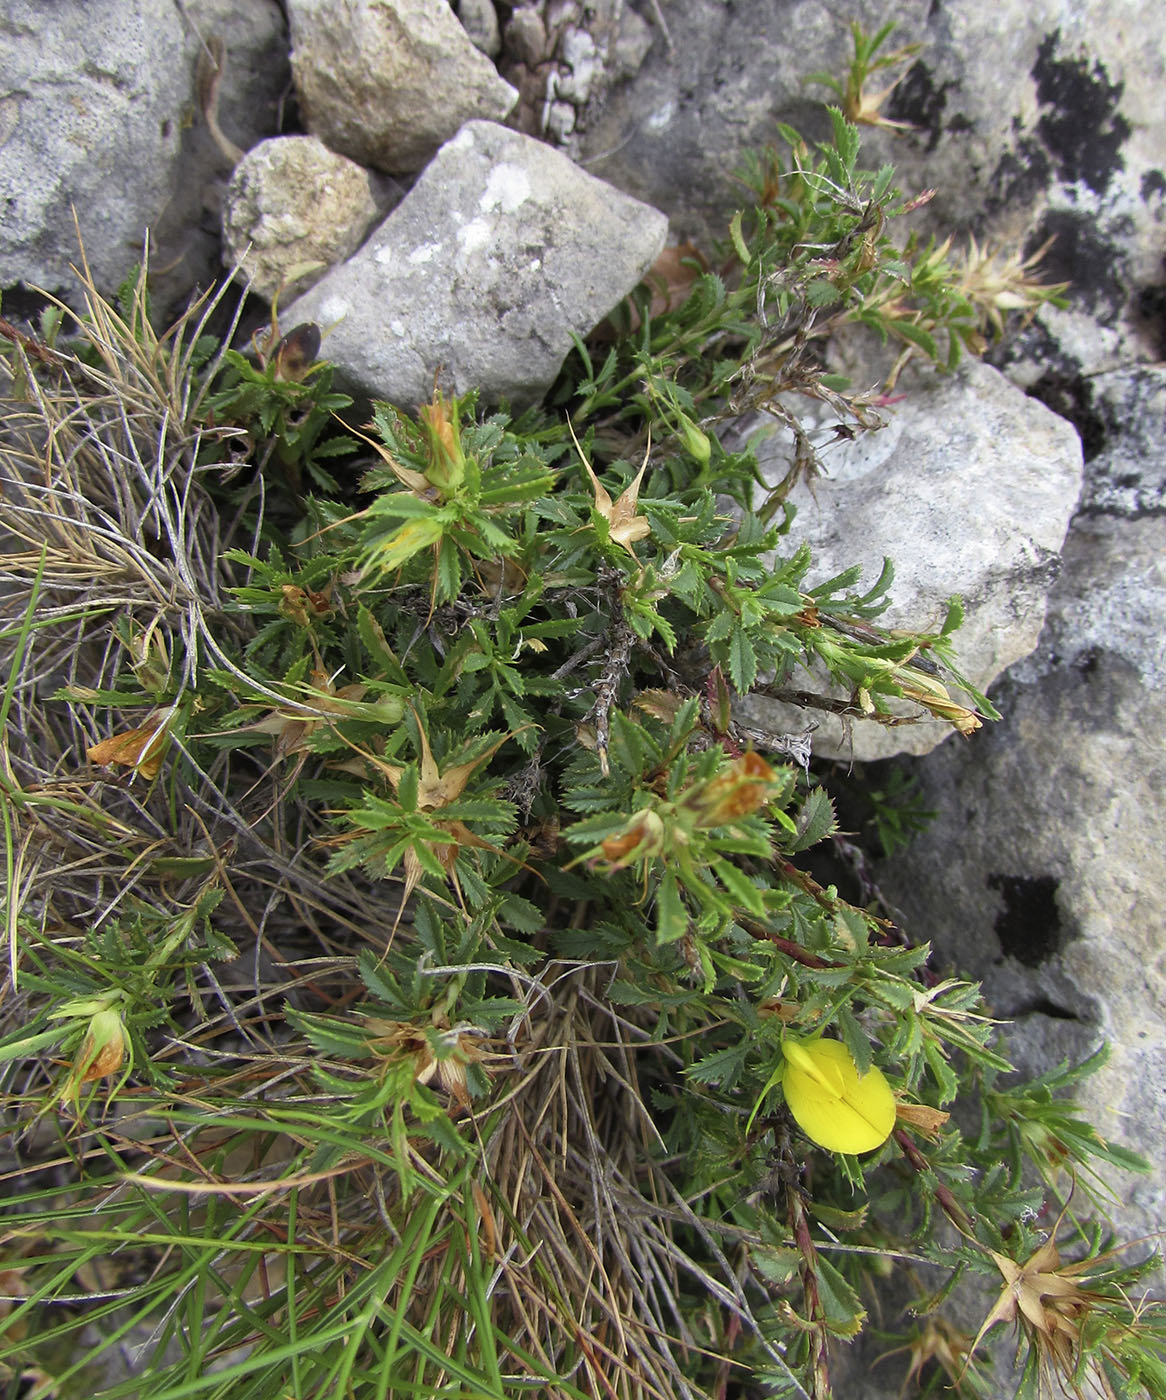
x: 947, y: 1202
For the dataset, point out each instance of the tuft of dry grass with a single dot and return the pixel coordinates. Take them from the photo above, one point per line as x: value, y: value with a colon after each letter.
x: 567, y: 1244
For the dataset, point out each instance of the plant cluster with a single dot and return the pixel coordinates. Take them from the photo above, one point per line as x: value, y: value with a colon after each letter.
x: 415, y: 985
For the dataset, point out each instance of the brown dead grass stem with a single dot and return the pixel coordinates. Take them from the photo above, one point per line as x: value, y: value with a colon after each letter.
x: 113, y: 548
x: 114, y: 545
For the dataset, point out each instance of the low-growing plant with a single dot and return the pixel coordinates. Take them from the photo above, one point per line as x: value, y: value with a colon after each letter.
x: 415, y: 985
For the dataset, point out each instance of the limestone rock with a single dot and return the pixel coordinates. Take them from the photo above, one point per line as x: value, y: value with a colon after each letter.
x: 1040, y: 120
x: 526, y: 36
x: 96, y: 116
x: 500, y: 251
x: 387, y: 81
x: 968, y: 489
x: 563, y: 56
x: 1043, y: 874
x: 300, y: 209
x: 479, y: 19
x: 58, y: 118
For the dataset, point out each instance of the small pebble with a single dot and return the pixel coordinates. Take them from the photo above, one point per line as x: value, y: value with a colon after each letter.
x: 526, y: 35
x: 480, y: 21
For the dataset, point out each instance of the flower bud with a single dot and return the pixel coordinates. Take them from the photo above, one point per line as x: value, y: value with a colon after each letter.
x: 642, y: 838
x: 447, y: 461
x: 744, y: 787
x: 696, y: 442
x: 103, y: 1049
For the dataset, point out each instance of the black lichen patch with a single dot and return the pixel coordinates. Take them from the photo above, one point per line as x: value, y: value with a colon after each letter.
x: 1029, y: 925
x: 1020, y: 175
x: 1042, y: 1006
x: 1087, y: 663
x: 1071, y: 397
x: 920, y: 101
x: 1082, y: 128
x: 1153, y: 185
x: 1150, y: 316
x: 1084, y: 257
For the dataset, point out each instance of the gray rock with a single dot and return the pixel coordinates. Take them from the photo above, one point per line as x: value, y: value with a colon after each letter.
x: 1048, y: 835
x: 256, y: 73
x: 1043, y: 874
x: 581, y: 57
x: 566, y: 55
x: 526, y: 36
x: 255, y: 81
x: 560, y: 121
x: 387, y: 81
x: 500, y: 251
x: 1049, y: 842
x: 1031, y: 120
x: 968, y: 489
x: 295, y: 209
x: 58, y: 116
x: 630, y: 44
x: 479, y: 19
x: 96, y: 116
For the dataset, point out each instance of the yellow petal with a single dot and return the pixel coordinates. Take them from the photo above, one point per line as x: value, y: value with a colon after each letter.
x: 833, y: 1104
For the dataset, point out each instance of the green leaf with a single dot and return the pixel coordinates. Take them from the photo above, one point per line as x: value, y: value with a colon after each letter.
x: 844, y: 1313
x: 448, y: 574
x: 672, y: 921
x: 741, y: 889
x: 721, y: 1067
x: 945, y: 1077
x: 915, y: 335
x: 742, y: 661
x: 815, y: 820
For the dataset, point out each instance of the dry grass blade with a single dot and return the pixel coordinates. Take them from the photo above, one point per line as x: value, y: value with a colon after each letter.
x: 610, y: 1254
x: 113, y: 538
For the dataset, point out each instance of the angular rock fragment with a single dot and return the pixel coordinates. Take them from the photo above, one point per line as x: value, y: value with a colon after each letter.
x: 500, y: 251
x: 480, y: 21
x: 96, y: 103
x: 968, y: 489
x: 387, y: 81
x: 294, y: 209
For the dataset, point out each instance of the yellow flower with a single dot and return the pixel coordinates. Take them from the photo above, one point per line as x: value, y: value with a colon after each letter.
x: 833, y: 1104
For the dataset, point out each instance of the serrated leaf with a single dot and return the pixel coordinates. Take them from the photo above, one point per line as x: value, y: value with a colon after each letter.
x: 741, y: 889
x: 854, y: 1038
x: 815, y: 820
x: 671, y: 915
x: 720, y: 1067
x: 521, y: 914
x: 448, y: 574
x: 844, y: 1313
x: 742, y: 661
x: 779, y: 1266
x: 954, y: 618
x: 946, y: 1079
